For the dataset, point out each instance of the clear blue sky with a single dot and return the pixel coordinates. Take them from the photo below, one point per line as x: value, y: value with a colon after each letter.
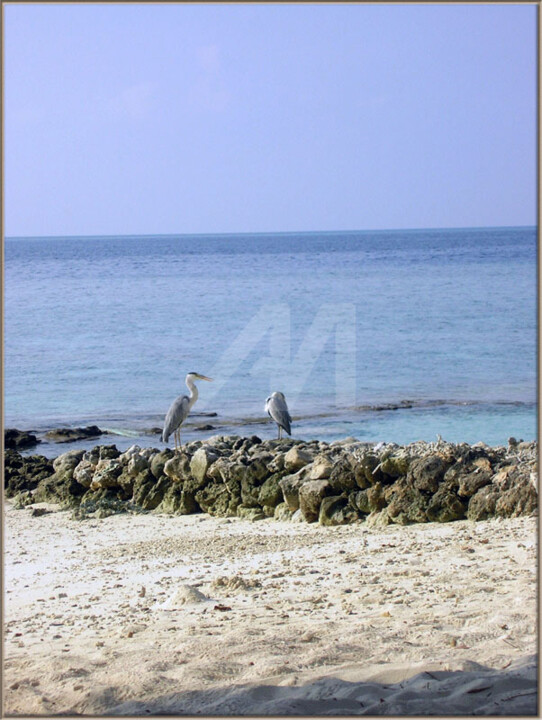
x: 180, y: 118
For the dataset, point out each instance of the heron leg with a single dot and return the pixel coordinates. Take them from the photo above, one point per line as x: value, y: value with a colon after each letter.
x: 175, y: 435
x: 280, y: 433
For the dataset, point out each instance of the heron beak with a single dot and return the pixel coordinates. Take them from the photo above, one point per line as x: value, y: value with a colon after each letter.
x: 202, y: 377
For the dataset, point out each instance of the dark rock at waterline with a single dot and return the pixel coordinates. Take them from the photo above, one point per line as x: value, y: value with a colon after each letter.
x: 152, y: 431
x: 333, y: 484
x: 65, y: 435
x: 24, y: 473
x: 19, y: 439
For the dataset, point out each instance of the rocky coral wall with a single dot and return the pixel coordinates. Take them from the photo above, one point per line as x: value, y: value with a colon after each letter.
x: 333, y: 484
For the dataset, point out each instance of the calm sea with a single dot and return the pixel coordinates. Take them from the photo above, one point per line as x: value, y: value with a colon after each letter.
x: 384, y: 336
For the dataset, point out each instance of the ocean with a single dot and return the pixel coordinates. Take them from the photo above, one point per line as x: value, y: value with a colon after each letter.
x: 391, y: 336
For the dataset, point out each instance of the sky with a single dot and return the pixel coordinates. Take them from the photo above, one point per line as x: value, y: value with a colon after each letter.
x: 230, y: 118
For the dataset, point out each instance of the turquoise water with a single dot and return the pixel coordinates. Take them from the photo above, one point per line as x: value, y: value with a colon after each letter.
x: 103, y: 330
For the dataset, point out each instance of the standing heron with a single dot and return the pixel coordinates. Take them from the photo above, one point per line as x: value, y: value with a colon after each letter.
x: 180, y: 407
x: 276, y: 408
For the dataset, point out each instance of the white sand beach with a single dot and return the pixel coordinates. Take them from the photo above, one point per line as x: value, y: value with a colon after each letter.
x: 154, y: 614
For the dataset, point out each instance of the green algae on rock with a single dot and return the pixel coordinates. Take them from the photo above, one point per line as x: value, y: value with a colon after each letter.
x: 332, y: 484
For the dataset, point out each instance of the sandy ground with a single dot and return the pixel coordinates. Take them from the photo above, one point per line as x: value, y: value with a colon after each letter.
x: 150, y: 614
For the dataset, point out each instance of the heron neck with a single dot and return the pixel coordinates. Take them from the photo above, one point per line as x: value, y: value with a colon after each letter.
x: 193, y: 391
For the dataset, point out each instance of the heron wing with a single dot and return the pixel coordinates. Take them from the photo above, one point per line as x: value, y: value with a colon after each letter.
x: 277, y: 408
x: 176, y: 415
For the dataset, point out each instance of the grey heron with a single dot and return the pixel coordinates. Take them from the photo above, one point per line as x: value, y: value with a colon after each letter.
x: 180, y: 407
x: 276, y: 407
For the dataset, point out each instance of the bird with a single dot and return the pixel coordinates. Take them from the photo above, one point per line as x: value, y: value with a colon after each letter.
x: 276, y: 408
x: 180, y: 407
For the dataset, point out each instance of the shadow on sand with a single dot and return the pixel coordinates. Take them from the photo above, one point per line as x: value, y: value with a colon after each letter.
x: 480, y: 691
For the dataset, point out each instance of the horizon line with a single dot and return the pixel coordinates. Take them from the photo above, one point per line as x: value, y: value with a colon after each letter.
x: 267, y: 232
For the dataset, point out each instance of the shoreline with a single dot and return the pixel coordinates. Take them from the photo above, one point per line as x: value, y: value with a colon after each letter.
x: 150, y: 614
x: 367, y: 423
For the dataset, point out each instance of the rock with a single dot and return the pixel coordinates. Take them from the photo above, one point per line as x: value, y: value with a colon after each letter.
x: 186, y: 594
x: 290, y: 485
x: 155, y: 493
x: 270, y: 493
x: 343, y: 476
x: 407, y: 504
x: 238, y: 472
x: 250, y: 513
x: 482, y: 504
x: 23, y: 499
x: 378, y: 519
x: 92, y: 456
x: 38, y: 511
x: 222, y: 441
x: 470, y: 483
x: 335, y: 510
x: 367, y: 471
x: 158, y: 461
x: 445, y: 505
x: 61, y: 487
x: 517, y: 495
x: 426, y: 473
x: 250, y: 489
x: 311, y: 494
x: 370, y: 500
x: 133, y: 452
x: 218, y: 499
x: 107, y: 452
x: 62, y: 435
x: 395, y: 466
x: 352, y: 441
x: 320, y: 469
x: 258, y: 465
x: 277, y: 463
x: 201, y: 461
x: 136, y: 464
x: 84, y: 473
x: 127, y: 454
x: 220, y: 470
x: 234, y: 584
x: 65, y: 464
x: 178, y: 501
x: 19, y: 439
x: 296, y: 458
x: 106, y: 474
x: 282, y: 512
x: 143, y: 484
x: 177, y: 468
x: 24, y: 474
x: 297, y: 517
x: 336, y: 484
x: 510, y: 494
